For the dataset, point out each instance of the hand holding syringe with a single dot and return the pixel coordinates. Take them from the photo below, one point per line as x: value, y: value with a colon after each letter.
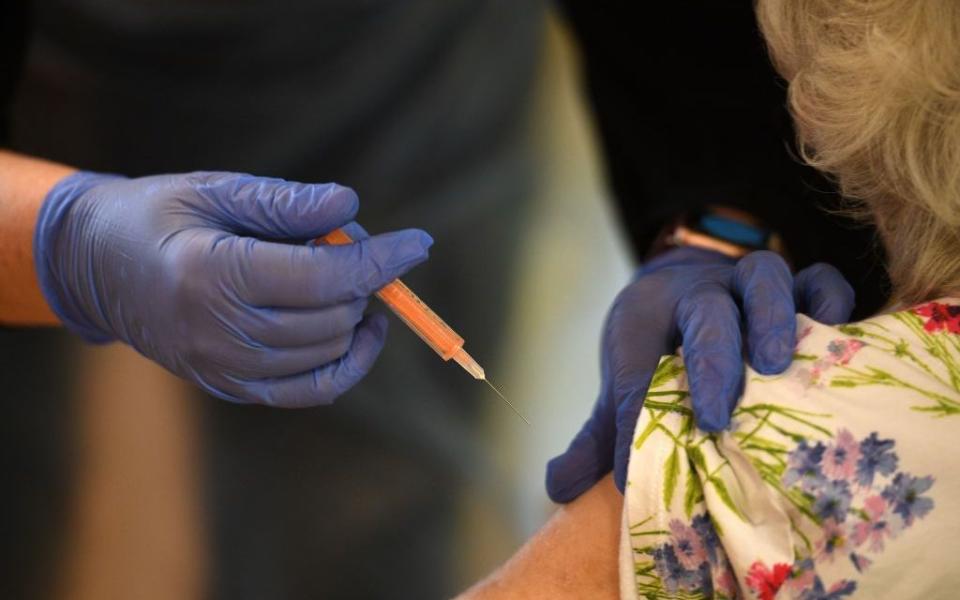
x: 424, y: 322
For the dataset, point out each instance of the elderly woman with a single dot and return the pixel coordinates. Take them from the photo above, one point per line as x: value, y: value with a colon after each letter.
x: 834, y: 478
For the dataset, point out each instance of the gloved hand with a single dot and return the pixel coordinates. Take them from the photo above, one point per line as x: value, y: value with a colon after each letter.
x: 181, y: 267
x: 692, y: 296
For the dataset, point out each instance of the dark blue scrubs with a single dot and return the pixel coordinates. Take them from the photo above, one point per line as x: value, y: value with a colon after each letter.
x: 420, y: 106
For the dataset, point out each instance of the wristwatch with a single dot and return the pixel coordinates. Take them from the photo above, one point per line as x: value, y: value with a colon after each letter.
x: 721, y: 229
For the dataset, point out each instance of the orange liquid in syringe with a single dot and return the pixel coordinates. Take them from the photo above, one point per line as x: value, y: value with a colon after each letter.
x: 412, y: 311
x: 430, y: 327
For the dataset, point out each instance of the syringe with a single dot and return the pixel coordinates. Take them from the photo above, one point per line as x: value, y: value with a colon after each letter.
x: 424, y: 322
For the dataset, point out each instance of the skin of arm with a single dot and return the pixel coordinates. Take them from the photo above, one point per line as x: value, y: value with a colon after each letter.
x: 575, y: 555
x: 24, y: 183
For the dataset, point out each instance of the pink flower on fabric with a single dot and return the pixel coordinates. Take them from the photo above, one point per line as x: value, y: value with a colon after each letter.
x: 842, y: 588
x: 840, y: 458
x: 725, y: 583
x: 841, y: 351
x: 940, y: 317
x: 860, y: 562
x: 879, y: 526
x: 811, y: 376
x: 806, y: 377
x: 833, y: 542
x: 687, y: 545
x: 801, y: 580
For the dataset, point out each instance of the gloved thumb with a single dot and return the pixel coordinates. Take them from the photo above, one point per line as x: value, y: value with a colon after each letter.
x: 274, y: 208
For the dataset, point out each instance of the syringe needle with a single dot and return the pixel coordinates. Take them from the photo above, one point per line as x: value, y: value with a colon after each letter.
x: 504, y: 398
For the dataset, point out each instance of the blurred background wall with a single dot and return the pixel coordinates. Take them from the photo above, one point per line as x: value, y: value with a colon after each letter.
x: 136, y: 527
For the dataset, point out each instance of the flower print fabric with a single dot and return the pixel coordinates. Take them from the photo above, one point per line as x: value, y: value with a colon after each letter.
x: 876, y: 456
x: 874, y: 527
x: 687, y: 545
x: 839, y: 352
x: 836, y: 479
x: 766, y: 581
x: 840, y: 459
x: 940, y: 316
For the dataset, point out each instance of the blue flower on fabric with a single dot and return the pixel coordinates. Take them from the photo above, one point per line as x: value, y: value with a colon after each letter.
x: 687, y: 545
x: 802, y: 566
x: 803, y: 465
x: 904, y: 495
x: 705, y: 583
x: 834, y: 541
x: 876, y: 456
x: 708, y: 535
x: 672, y: 573
x: 854, y: 492
x: 840, y: 589
x: 833, y: 501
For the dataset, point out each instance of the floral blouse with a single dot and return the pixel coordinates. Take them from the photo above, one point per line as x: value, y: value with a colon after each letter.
x: 837, y: 478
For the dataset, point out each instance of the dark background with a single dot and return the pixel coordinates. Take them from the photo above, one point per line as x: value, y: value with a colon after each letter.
x: 420, y: 106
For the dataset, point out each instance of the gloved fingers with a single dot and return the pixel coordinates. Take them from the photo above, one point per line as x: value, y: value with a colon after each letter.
x: 224, y: 388
x: 301, y: 276
x: 283, y: 362
x: 635, y: 336
x: 627, y: 415
x: 274, y: 208
x: 367, y: 265
x: 325, y: 384
x: 355, y: 231
x: 709, y: 322
x: 765, y: 285
x: 587, y: 460
x: 823, y: 293
x: 292, y: 327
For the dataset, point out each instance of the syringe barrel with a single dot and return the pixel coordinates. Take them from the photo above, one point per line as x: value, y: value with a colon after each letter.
x: 411, y: 310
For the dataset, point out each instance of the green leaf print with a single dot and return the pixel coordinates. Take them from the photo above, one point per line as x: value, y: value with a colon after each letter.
x: 668, y: 370
x: 671, y: 471
x: 693, y: 493
x: 852, y: 330
x: 725, y: 497
x: 696, y: 457
x: 650, y: 428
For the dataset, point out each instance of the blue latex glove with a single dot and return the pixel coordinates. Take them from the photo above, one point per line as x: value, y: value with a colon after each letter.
x: 702, y: 299
x: 178, y: 267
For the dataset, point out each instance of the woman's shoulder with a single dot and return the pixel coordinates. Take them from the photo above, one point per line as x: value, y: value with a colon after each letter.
x: 829, y: 480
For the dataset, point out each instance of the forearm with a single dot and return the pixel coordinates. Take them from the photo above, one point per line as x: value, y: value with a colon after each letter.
x: 573, y: 556
x: 24, y: 182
